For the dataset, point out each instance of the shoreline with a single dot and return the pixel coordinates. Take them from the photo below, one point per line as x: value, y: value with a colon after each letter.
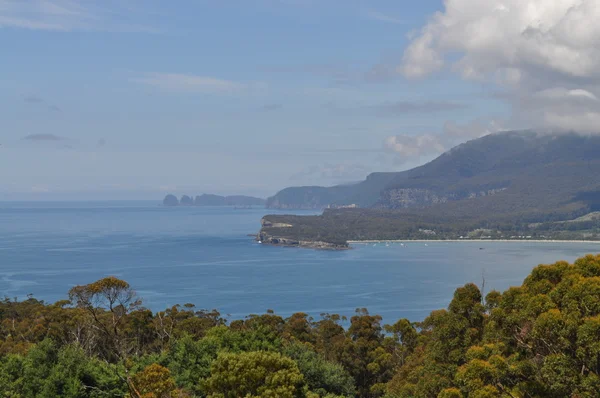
x: 364, y: 242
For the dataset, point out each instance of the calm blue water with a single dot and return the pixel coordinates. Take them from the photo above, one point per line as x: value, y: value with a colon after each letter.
x: 203, y: 256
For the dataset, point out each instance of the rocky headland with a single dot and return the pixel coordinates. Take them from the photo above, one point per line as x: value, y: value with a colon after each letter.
x: 280, y: 234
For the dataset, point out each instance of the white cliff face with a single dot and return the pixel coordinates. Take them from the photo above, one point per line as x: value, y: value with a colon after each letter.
x: 400, y: 198
x: 413, y: 197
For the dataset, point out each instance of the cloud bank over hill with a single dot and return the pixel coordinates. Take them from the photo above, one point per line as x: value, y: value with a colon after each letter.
x: 409, y: 147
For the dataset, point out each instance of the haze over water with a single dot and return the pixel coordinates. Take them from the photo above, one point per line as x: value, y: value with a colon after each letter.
x: 204, y: 256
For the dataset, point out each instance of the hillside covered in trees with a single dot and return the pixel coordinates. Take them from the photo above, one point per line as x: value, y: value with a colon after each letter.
x: 541, y: 339
x: 335, y: 227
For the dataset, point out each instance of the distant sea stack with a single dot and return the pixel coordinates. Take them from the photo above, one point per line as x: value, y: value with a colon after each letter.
x: 213, y: 200
x: 170, y: 200
x: 186, y: 201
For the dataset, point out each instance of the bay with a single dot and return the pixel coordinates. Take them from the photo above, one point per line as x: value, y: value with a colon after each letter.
x: 202, y: 255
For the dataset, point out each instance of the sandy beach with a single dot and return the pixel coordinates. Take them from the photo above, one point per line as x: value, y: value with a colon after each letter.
x: 358, y: 242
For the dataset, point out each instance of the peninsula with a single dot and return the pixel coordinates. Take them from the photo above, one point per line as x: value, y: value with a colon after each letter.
x: 519, y: 185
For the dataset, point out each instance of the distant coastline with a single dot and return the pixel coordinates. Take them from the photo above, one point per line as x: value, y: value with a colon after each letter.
x: 321, y: 245
x: 213, y: 200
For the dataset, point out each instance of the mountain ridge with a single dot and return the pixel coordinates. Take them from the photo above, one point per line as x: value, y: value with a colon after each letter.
x: 480, y: 167
x: 512, y: 184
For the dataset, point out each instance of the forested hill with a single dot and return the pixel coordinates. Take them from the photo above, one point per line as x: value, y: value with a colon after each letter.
x: 540, y: 339
x: 515, y: 166
x: 511, y: 185
x: 551, y: 170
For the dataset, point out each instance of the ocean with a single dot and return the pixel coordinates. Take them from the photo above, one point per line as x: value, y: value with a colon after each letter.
x: 203, y: 256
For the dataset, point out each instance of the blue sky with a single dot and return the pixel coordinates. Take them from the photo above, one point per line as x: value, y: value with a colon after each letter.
x: 134, y: 99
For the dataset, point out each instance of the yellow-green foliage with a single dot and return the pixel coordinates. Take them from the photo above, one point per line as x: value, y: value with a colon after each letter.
x: 541, y: 339
x: 254, y: 374
x: 538, y: 340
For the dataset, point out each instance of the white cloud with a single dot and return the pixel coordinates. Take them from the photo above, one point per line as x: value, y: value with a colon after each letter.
x: 30, y: 24
x: 420, y: 58
x: 71, y: 15
x: 414, y: 146
x: 455, y: 133
x: 381, y: 17
x: 190, y: 83
x: 412, y: 107
x: 544, y: 53
x: 560, y: 36
x: 333, y: 173
x: 564, y: 94
x: 43, y: 137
